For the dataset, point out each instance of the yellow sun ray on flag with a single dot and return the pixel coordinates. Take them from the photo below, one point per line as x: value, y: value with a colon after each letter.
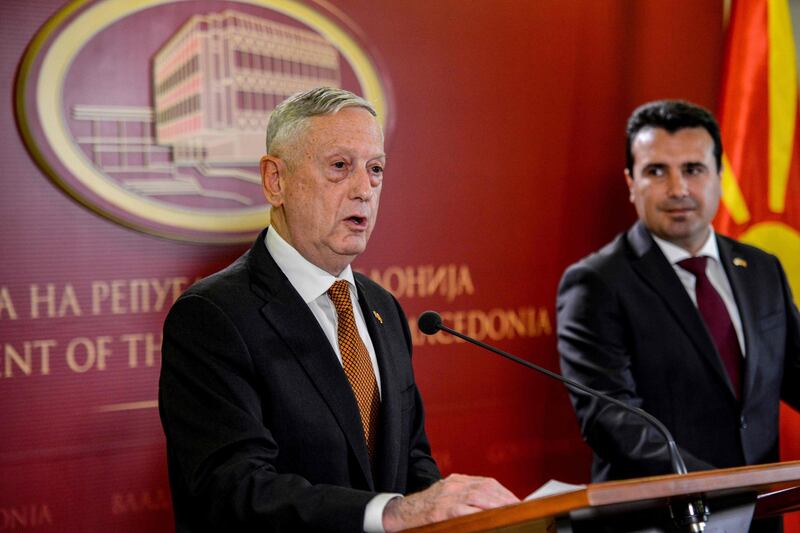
x: 782, y: 100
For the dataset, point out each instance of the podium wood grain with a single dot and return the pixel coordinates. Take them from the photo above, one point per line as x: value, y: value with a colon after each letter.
x: 769, y: 482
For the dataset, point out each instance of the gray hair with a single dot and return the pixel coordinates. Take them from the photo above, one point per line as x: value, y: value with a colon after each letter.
x: 289, y: 117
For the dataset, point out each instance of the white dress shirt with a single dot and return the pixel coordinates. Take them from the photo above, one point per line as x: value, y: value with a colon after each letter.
x: 312, y: 283
x: 714, y: 272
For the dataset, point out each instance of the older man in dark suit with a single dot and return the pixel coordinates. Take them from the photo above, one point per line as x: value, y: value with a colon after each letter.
x: 287, y: 394
x: 695, y: 328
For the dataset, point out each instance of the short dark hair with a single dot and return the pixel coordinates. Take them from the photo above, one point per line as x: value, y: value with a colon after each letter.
x: 671, y: 115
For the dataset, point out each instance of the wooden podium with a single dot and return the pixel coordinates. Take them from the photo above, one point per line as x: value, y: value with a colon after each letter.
x: 641, y: 503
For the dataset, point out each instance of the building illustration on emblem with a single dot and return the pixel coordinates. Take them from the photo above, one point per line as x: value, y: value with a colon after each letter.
x: 217, y: 79
x: 214, y: 84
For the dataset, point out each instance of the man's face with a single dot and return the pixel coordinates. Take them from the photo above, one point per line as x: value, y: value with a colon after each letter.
x: 675, y: 185
x: 326, y: 200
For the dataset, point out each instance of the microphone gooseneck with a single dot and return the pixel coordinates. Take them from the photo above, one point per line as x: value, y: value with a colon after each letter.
x: 431, y: 322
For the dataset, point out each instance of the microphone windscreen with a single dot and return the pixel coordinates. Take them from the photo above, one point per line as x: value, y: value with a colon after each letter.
x: 429, y: 322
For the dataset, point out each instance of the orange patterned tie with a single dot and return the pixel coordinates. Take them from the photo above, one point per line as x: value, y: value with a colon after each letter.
x: 356, y: 362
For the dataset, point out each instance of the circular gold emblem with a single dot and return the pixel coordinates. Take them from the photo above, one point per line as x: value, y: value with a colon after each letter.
x: 153, y: 113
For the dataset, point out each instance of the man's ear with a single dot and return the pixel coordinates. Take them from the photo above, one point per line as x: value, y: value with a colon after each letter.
x: 629, y: 181
x: 272, y: 175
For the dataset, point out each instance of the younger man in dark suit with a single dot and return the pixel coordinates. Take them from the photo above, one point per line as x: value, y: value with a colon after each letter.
x: 697, y: 329
x: 287, y: 393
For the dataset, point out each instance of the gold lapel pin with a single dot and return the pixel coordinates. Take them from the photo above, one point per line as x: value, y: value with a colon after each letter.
x: 739, y: 262
x: 378, y: 316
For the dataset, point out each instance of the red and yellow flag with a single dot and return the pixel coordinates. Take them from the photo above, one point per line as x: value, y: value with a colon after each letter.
x: 761, y: 164
x: 758, y: 116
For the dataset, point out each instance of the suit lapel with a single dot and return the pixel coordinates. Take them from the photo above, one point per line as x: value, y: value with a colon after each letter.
x: 387, y: 460
x: 294, y: 322
x: 655, y: 270
x: 742, y: 288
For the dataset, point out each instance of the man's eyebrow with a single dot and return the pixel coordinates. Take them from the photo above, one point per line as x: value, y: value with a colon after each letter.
x: 338, y: 150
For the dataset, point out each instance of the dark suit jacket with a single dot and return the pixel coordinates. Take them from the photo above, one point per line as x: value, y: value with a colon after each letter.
x: 627, y: 327
x: 263, y: 431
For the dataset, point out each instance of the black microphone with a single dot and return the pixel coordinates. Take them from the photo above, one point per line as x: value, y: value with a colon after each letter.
x: 430, y: 322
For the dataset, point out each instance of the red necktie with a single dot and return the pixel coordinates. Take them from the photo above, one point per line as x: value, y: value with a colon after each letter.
x: 717, y: 319
x: 356, y: 363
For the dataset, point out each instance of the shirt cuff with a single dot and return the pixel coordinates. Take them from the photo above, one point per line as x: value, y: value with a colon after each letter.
x: 373, y: 514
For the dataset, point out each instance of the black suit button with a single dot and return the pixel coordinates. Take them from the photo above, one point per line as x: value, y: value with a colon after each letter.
x: 742, y: 422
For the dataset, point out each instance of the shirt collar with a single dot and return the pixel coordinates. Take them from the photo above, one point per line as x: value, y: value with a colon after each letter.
x: 675, y: 253
x: 308, y: 279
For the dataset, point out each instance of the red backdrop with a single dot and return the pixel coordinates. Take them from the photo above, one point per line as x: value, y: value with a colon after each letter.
x: 506, y: 151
